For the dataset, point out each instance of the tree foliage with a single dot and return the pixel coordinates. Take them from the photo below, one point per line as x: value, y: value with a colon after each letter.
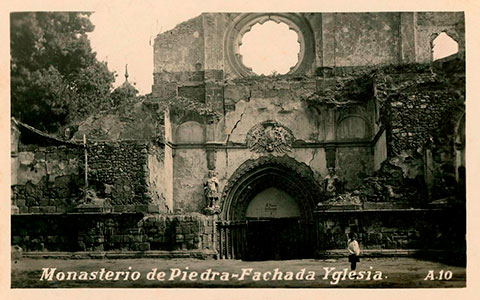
x: 124, y: 94
x: 55, y: 76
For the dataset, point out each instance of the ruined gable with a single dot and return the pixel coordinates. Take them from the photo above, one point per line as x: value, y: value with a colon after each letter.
x: 364, y: 134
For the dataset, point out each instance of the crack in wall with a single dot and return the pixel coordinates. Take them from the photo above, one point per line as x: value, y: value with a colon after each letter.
x: 231, y: 132
x: 313, y: 157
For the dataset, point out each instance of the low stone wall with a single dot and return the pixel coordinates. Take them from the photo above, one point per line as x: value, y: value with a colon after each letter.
x: 48, y: 179
x: 393, y: 229
x: 179, y: 232
x: 51, y: 179
x: 113, y: 231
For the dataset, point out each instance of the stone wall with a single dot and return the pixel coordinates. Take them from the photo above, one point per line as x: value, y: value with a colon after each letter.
x: 401, y: 229
x: 332, y: 40
x: 49, y: 179
x: 250, y: 102
x: 118, y: 170
x: 104, y: 232
x: 189, y: 173
x: 353, y: 165
x: 185, y: 232
x: 421, y: 108
x: 358, y: 35
x: 143, y: 120
x: 430, y: 24
x: 181, y: 48
x: 158, y: 180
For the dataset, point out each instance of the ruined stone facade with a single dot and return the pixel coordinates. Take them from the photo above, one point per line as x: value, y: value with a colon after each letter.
x: 365, y: 134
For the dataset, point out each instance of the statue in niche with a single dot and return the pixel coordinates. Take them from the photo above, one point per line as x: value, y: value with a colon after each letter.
x: 333, y: 185
x: 210, y: 188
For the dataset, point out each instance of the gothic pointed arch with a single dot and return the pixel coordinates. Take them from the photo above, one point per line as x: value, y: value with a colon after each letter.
x: 256, y: 175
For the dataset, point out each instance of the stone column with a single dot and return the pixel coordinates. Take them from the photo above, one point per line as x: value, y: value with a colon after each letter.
x: 408, y: 37
x: 211, y: 156
x: 328, y: 40
x: 330, y: 156
x: 330, y: 125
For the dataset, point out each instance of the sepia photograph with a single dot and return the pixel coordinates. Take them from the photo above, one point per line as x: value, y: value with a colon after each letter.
x: 237, y: 149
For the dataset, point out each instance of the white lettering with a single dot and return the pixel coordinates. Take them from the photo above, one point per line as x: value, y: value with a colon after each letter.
x: 48, y: 274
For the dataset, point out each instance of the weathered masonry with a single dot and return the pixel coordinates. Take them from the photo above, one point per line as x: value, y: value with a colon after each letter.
x: 365, y: 133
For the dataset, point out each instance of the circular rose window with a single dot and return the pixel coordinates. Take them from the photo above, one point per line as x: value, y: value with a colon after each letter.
x: 270, y: 48
x: 269, y: 44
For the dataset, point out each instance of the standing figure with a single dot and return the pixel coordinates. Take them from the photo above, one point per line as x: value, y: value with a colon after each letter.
x: 210, y: 188
x: 353, y: 250
x: 332, y: 183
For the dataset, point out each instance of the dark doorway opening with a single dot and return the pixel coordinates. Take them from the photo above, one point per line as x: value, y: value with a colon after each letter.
x: 279, y: 239
x: 267, y: 211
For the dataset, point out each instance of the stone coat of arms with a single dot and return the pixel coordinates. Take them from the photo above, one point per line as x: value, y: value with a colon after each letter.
x: 270, y: 136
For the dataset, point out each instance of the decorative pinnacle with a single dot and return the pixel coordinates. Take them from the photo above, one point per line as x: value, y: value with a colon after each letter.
x: 126, y: 72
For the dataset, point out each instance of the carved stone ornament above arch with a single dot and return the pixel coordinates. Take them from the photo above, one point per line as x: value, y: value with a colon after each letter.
x: 256, y: 175
x: 244, y: 22
x: 270, y: 136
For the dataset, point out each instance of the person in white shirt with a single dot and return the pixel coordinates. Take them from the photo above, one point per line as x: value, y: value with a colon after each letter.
x: 353, y: 250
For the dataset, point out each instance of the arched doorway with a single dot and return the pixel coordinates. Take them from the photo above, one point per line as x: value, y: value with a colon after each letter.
x: 267, y: 210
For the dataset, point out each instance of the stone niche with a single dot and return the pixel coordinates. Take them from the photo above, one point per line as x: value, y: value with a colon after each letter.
x: 190, y: 132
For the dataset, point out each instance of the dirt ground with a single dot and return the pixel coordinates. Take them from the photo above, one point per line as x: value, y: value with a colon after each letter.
x: 193, y: 273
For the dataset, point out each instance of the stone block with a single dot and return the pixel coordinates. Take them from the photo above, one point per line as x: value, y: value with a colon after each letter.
x: 130, y: 208
x: 153, y: 208
x: 61, y: 210
x: 179, y: 238
x: 116, y: 238
x: 48, y: 209
x: 207, y: 240
x: 119, y: 208
x: 143, y: 246
x: 30, y: 201
x: 139, y: 238
x: 26, y: 158
x: 134, y: 230
x: 257, y: 94
x: 377, y: 205
x: 34, y: 209
x: 141, y: 208
x: 152, y: 230
x: 23, y: 209
x: 159, y: 239
x: 209, y: 229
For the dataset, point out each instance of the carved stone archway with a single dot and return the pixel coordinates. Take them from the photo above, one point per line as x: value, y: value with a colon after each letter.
x: 254, y: 176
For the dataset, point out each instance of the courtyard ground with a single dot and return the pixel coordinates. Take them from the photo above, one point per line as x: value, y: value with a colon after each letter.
x: 395, y: 273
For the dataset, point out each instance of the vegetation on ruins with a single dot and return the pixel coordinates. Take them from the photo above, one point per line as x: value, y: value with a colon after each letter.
x: 55, y: 75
